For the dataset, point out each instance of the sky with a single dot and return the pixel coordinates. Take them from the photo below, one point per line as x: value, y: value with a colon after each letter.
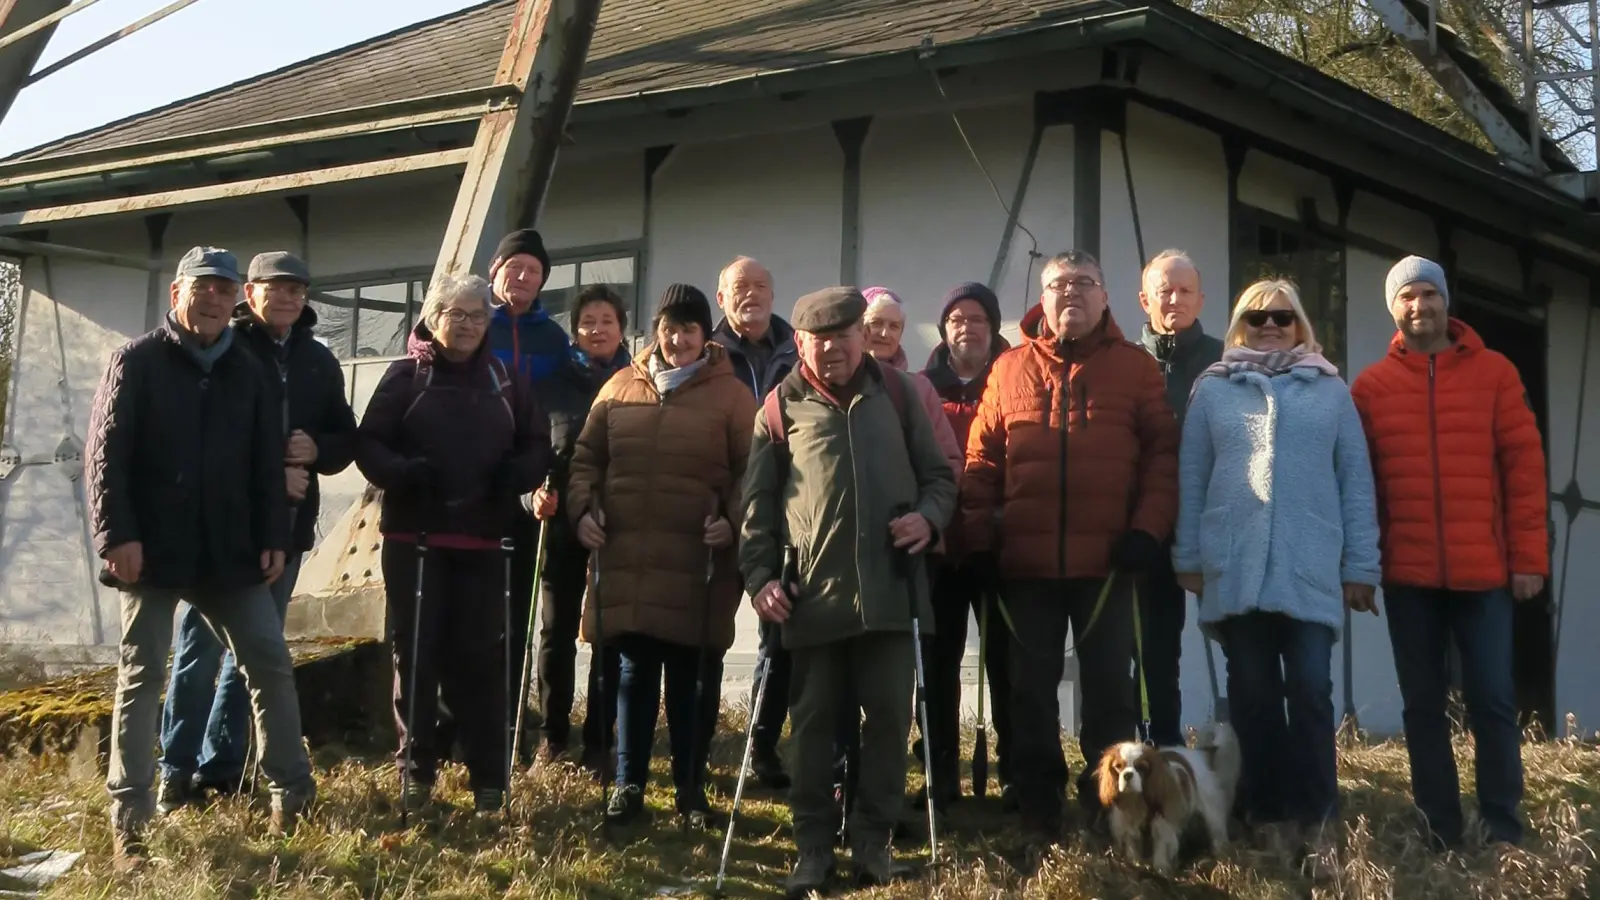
x: 204, y: 46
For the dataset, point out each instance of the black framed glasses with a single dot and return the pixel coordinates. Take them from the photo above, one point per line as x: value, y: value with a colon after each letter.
x: 1258, y: 318
x: 1082, y: 284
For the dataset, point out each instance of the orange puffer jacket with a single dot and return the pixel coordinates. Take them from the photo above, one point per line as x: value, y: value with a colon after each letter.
x: 1456, y: 452
x: 1073, y: 451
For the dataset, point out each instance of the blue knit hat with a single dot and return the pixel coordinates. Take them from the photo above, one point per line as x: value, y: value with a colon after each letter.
x: 1411, y: 270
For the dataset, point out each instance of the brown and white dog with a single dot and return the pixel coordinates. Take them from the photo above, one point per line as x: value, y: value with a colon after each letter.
x: 1155, y: 794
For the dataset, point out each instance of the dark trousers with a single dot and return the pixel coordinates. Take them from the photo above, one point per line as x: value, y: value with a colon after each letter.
x: 646, y: 662
x: 560, y: 612
x: 458, y: 653
x: 775, y: 705
x: 600, y: 717
x: 958, y: 593
x: 1280, y: 694
x: 1162, y: 609
x: 1422, y: 623
x: 1042, y: 610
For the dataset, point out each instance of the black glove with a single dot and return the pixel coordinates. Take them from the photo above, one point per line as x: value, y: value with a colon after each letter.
x: 1137, y: 553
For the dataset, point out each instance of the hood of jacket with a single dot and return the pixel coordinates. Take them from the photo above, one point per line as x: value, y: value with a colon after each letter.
x: 942, y: 373
x: 1464, y: 344
x: 1034, y: 336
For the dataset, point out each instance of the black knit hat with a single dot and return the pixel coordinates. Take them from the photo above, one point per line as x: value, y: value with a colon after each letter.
x: 524, y: 240
x: 972, y: 290
x: 684, y: 304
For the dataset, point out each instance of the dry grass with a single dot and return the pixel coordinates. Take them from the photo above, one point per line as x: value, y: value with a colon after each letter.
x: 354, y: 848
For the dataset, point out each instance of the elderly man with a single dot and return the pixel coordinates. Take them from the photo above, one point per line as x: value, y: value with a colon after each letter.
x: 1072, y: 479
x: 856, y: 483
x: 1462, y: 499
x: 761, y: 347
x: 1170, y: 295
x: 318, y: 436
x: 185, y: 473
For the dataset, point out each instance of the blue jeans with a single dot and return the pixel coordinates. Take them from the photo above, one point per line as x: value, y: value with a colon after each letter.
x: 1422, y: 623
x: 645, y: 660
x: 1280, y: 694
x: 206, y: 722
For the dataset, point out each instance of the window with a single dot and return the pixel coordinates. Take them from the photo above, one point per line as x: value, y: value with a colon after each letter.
x: 571, y: 272
x: 367, y: 318
x: 1270, y: 246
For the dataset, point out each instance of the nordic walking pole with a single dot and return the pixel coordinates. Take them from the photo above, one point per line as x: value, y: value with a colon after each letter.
x: 980, y: 750
x: 509, y: 547
x: 599, y: 645
x: 527, y: 646
x: 788, y: 577
x: 697, y: 721
x: 411, y: 682
x: 905, y: 561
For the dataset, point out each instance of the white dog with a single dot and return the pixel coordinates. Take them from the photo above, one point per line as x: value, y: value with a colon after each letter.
x: 1155, y: 795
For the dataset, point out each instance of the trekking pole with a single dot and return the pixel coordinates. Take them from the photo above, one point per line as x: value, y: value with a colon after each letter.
x: 698, y: 720
x: 508, y: 546
x: 980, y: 749
x: 904, y: 560
x: 527, y: 646
x: 787, y: 575
x: 599, y: 652
x: 411, y: 683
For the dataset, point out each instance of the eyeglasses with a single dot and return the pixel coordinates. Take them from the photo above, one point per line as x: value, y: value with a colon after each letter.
x: 1258, y: 318
x: 1082, y: 284
x: 457, y: 316
x: 967, y: 321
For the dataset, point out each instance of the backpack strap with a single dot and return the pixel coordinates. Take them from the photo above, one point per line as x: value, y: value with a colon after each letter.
x: 500, y: 384
x: 777, y: 432
x: 896, y: 388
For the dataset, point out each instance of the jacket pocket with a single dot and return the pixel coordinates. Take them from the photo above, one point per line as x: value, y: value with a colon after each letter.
x: 1216, y: 541
x: 1318, y: 563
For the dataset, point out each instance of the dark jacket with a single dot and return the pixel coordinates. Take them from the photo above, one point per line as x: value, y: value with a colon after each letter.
x: 567, y: 396
x: 760, y: 379
x: 188, y: 463
x: 960, y: 402
x: 307, y: 385
x: 477, y: 426
x: 532, y: 344
x: 1183, y: 356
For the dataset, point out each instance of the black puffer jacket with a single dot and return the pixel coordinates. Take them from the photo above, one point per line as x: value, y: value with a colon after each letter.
x: 307, y: 374
x: 189, y: 464
x: 567, y: 396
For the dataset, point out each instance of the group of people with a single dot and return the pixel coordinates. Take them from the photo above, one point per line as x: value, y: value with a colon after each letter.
x: 1079, y: 483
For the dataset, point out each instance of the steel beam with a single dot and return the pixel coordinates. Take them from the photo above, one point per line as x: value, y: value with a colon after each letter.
x: 515, y: 151
x: 106, y: 41
x: 41, y: 248
x: 1512, y: 145
x: 271, y: 185
x: 21, y: 54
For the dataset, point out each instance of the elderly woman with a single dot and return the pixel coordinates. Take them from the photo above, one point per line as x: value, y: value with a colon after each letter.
x: 452, y: 437
x: 655, y: 479
x: 599, y: 319
x: 1278, y: 535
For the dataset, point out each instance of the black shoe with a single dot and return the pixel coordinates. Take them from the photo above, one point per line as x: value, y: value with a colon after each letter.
x: 487, y: 801
x: 1010, y: 799
x: 175, y: 792
x: 768, y: 769
x: 811, y: 874
x: 627, y: 804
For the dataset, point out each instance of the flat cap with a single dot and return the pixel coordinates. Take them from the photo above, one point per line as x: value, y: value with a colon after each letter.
x: 215, y: 261
x: 829, y: 309
x: 279, y: 264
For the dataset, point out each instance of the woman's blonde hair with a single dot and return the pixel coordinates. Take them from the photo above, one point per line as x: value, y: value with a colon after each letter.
x: 1259, y: 296
x: 447, y: 288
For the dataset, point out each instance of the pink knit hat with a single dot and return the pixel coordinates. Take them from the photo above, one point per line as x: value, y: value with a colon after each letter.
x: 878, y: 298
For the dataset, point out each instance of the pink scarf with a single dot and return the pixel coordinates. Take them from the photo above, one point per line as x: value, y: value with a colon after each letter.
x: 1270, y: 363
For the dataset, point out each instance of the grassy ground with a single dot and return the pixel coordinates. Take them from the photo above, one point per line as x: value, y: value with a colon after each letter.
x: 354, y: 848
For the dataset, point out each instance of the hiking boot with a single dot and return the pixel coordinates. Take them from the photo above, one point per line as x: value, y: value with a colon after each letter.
x: 176, y: 792
x: 1010, y: 799
x: 627, y: 804
x: 698, y: 815
x: 487, y: 801
x: 416, y: 794
x: 128, y: 852
x: 768, y: 769
x: 872, y: 864
x: 1322, y: 861
x: 289, y: 807
x: 811, y: 874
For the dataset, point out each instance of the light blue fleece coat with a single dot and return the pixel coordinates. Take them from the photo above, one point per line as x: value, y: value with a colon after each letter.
x: 1276, y: 502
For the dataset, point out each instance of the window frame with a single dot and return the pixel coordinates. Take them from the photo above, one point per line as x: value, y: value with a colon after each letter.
x: 1248, y: 220
x: 322, y: 290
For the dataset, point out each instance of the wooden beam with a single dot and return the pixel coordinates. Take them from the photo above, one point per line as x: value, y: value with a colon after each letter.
x: 514, y: 153
x: 41, y: 248
x: 271, y: 185
x: 45, y: 22
x: 106, y: 41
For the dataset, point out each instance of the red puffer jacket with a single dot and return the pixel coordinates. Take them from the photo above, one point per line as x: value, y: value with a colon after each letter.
x: 1459, y: 464
x: 1073, y: 450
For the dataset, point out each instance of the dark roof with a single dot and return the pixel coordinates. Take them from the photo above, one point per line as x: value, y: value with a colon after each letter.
x: 639, y: 46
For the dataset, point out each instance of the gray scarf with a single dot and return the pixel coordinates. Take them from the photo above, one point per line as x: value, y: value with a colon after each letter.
x: 204, y: 357
x: 668, y: 380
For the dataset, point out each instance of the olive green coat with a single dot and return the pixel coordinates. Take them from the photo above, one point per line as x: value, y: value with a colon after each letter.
x: 850, y: 469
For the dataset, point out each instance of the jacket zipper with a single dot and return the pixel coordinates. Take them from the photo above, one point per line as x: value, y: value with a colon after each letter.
x: 1438, y: 488
x: 1061, y: 510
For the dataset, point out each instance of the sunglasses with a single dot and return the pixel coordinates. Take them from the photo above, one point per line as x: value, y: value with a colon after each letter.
x: 1258, y: 318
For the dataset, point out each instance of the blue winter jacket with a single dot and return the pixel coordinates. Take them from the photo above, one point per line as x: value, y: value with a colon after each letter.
x: 1277, y: 508
x: 532, y: 343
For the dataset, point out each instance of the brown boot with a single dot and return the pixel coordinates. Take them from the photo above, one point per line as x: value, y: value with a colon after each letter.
x: 289, y: 807
x: 128, y: 852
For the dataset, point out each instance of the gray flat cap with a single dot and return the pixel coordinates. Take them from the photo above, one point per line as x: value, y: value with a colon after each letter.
x: 829, y: 309
x: 209, y: 261
x: 279, y: 265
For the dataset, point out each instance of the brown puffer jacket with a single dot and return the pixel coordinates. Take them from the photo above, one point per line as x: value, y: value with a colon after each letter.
x: 660, y: 463
x: 1074, y: 451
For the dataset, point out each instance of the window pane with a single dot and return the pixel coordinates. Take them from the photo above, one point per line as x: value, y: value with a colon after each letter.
x: 381, y: 326
x: 608, y: 271
x: 336, y: 323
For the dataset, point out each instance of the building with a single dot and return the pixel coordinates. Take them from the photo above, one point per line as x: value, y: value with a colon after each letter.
x: 872, y: 142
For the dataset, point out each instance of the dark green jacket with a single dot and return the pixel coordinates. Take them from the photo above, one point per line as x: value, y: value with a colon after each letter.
x: 849, y: 470
x: 1183, y: 357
